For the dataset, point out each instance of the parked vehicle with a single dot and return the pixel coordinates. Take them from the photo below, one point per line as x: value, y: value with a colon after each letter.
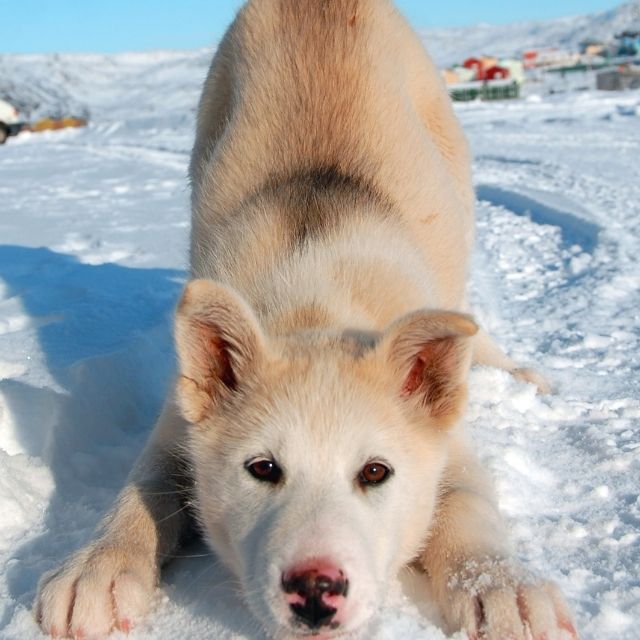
x: 10, y: 123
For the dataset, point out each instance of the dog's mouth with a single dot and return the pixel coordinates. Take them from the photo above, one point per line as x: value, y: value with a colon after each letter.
x: 314, y: 598
x: 316, y: 594
x: 315, y: 614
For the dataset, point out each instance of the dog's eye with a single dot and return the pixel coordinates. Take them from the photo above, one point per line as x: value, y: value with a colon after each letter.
x: 265, y: 470
x: 374, y: 473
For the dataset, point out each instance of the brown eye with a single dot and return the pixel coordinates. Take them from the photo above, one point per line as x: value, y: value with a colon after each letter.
x: 374, y: 473
x: 265, y: 470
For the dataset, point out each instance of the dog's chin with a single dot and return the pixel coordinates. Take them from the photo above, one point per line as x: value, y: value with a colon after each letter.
x: 320, y: 634
x: 350, y: 631
x: 283, y: 628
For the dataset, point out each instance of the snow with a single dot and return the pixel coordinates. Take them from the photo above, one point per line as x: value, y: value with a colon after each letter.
x: 94, y: 237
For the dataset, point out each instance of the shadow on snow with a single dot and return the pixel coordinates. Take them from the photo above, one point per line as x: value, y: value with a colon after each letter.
x: 104, y: 333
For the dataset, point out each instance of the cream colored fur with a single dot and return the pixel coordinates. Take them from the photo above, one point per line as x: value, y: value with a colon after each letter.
x: 325, y: 326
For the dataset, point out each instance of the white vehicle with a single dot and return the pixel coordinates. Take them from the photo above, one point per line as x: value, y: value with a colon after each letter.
x: 10, y: 124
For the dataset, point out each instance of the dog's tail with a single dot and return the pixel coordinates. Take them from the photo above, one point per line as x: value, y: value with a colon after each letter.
x: 487, y: 352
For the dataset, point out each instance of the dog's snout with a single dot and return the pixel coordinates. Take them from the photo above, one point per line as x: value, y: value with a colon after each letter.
x: 315, y: 593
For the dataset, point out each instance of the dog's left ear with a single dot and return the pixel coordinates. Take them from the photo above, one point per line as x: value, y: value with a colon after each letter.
x: 219, y: 342
x: 430, y: 354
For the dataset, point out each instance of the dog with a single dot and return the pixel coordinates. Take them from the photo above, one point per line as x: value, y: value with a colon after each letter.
x: 324, y: 342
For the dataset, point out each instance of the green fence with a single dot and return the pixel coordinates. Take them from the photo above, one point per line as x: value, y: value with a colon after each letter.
x: 485, y: 91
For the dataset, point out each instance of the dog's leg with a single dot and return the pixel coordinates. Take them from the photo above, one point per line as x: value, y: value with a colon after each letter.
x: 477, y: 585
x: 487, y: 352
x: 111, y: 582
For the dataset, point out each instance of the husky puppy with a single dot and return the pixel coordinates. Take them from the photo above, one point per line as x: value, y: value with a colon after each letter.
x: 324, y: 348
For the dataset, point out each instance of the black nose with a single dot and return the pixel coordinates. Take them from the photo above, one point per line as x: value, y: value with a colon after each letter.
x: 315, y: 591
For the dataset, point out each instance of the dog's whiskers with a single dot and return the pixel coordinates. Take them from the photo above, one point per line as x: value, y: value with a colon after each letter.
x: 195, y: 555
x: 175, y: 513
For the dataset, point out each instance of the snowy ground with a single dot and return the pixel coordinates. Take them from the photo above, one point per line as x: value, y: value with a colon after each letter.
x: 93, y: 245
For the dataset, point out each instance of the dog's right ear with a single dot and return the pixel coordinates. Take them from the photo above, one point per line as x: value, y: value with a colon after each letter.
x: 430, y: 353
x: 218, y: 340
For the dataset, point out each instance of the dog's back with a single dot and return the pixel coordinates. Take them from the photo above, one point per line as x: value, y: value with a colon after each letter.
x: 340, y: 88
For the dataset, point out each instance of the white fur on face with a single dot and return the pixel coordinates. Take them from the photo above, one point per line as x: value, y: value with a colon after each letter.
x: 321, y: 426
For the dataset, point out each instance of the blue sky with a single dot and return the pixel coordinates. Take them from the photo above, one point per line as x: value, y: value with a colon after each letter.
x: 36, y: 26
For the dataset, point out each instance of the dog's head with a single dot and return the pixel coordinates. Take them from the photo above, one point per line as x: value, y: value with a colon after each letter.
x: 317, y: 456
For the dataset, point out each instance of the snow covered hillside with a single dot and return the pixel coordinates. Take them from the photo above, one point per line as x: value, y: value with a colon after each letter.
x: 126, y: 86
x: 449, y: 45
x: 93, y: 250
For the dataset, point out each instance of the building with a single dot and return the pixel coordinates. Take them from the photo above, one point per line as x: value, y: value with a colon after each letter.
x: 516, y: 69
x: 593, y: 48
x: 625, y: 77
x: 629, y: 43
x: 550, y: 57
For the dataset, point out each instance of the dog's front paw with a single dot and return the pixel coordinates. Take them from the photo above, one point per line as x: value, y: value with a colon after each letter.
x: 493, y: 600
x: 98, y: 590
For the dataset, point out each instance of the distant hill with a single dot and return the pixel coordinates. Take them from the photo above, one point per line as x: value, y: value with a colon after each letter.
x: 449, y: 45
x: 109, y: 87
x: 166, y: 84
